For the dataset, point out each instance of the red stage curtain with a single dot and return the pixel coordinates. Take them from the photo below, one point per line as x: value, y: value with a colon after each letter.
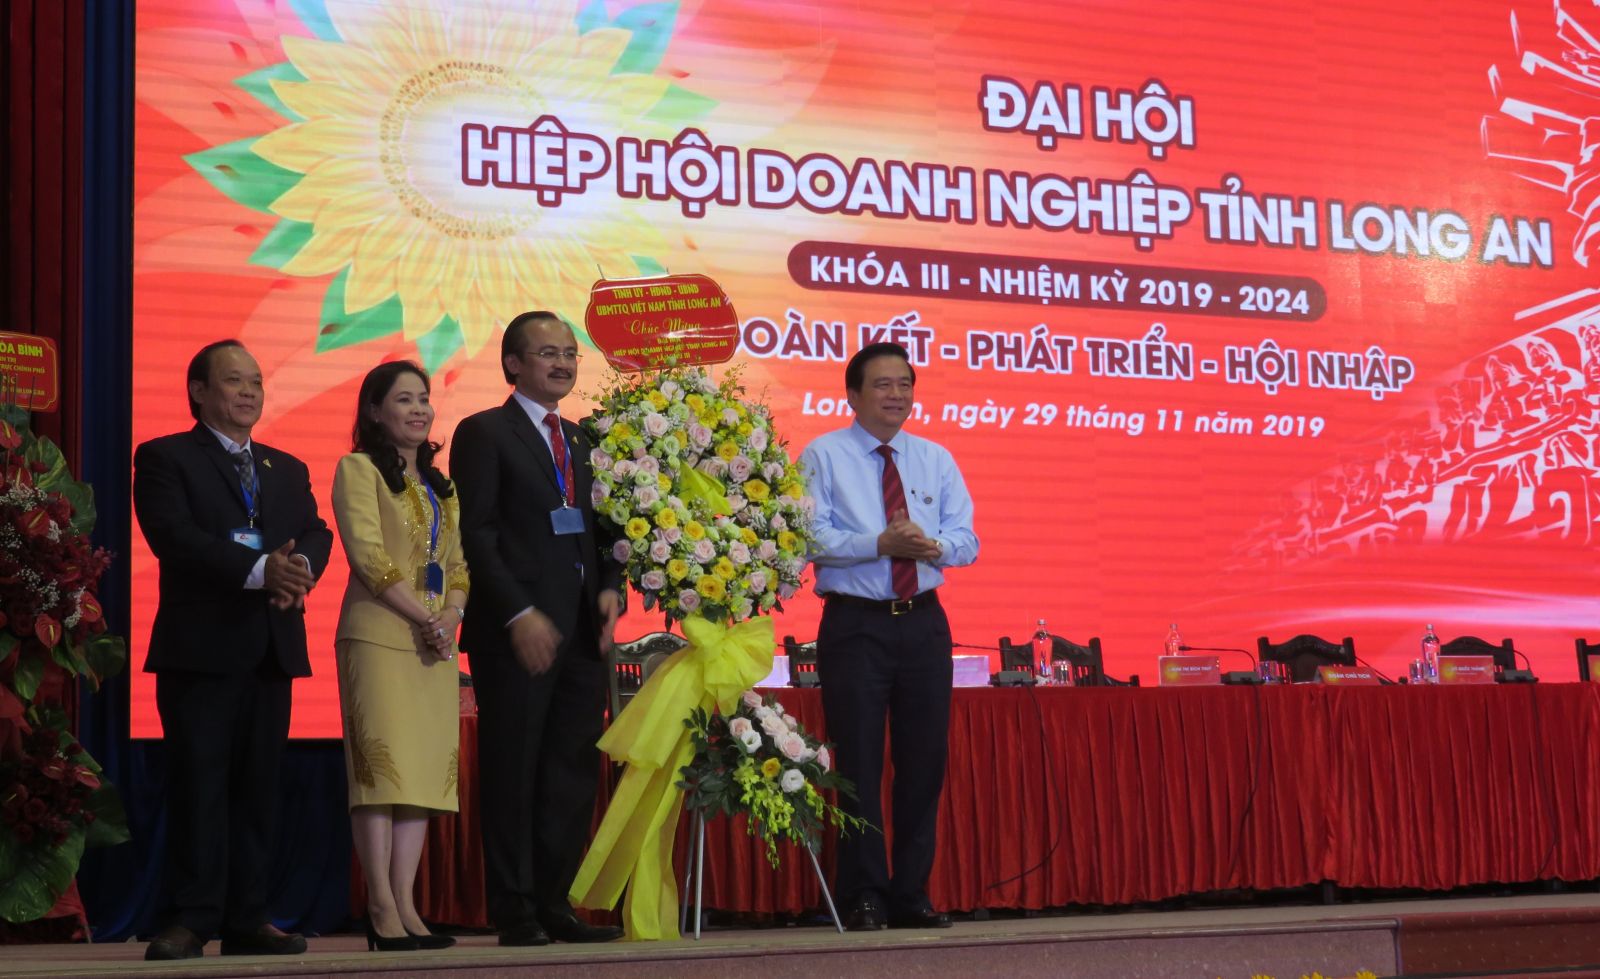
x: 1148, y: 794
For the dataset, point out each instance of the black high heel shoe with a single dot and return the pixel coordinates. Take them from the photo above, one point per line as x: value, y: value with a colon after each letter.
x: 432, y: 941
x: 377, y: 943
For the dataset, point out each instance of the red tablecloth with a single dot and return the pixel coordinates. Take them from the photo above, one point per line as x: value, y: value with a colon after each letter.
x: 1115, y: 796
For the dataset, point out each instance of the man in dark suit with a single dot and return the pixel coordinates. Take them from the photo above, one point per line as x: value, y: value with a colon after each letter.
x: 234, y: 527
x: 545, y: 597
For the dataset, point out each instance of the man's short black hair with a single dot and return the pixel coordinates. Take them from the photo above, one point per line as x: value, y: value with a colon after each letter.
x: 855, y: 372
x: 200, y: 370
x: 514, y: 342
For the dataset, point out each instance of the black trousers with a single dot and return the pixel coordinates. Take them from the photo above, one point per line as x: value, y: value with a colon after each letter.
x: 538, y: 770
x: 878, y: 667
x: 224, y: 738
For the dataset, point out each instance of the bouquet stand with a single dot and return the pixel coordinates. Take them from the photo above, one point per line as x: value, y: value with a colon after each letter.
x: 695, y: 873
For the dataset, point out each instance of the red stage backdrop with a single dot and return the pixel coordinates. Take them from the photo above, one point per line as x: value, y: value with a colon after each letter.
x: 1262, y: 321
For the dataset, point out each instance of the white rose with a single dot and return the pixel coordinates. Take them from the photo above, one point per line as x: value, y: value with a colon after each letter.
x: 730, y: 417
x: 758, y: 440
x: 788, y: 719
x: 792, y: 781
x: 825, y: 759
x: 792, y: 746
x: 752, y: 699
x: 751, y: 741
x: 660, y: 551
x: 772, y: 724
x: 657, y: 424
x: 670, y: 389
x: 739, y: 725
x: 603, y: 423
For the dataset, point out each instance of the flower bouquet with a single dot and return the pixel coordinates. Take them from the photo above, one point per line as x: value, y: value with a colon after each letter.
x: 760, y: 762
x: 710, y: 511
x: 52, y: 800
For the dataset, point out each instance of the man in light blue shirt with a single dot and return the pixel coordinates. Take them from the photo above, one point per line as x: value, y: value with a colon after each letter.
x: 892, y: 513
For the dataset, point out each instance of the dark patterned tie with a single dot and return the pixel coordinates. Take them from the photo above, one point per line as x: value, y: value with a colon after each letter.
x: 902, y: 570
x: 247, y: 474
x: 558, y: 448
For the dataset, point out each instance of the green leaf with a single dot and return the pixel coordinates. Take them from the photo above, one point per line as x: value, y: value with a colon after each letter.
x: 282, y: 243
x: 341, y: 329
x: 81, y: 496
x: 314, y: 14
x: 8, y: 644
x: 110, y: 825
x: 680, y: 107
x: 32, y: 877
x: 56, y: 473
x: 69, y: 658
x: 106, y: 655
x: 647, y: 265
x: 30, y: 670
x: 241, y: 175
x: 436, y: 346
x: 259, y: 85
x: 652, y: 25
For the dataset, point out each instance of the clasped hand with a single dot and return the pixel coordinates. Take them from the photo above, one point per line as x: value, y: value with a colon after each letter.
x: 439, y: 632
x: 902, y: 538
x: 287, y: 578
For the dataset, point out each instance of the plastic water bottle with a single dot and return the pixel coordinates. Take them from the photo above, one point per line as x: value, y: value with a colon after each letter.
x: 1174, y: 644
x: 1043, y: 647
x: 1430, y: 656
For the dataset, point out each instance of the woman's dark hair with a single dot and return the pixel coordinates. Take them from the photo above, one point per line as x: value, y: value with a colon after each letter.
x: 370, y: 437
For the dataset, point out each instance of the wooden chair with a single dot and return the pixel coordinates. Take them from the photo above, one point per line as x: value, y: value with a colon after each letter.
x: 802, y: 662
x: 1505, y: 654
x: 1299, y: 657
x: 1085, y: 663
x: 1586, y: 649
x: 631, y: 664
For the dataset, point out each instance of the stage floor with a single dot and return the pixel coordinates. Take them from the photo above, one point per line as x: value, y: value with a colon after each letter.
x: 1483, y: 936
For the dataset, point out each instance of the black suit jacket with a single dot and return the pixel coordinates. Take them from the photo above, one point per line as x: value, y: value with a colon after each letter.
x: 506, y: 477
x: 187, y: 498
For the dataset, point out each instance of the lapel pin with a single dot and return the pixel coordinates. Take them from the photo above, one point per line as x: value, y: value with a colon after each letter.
x: 267, y: 462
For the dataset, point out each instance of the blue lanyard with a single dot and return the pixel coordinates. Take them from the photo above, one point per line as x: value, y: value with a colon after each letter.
x: 433, y: 533
x: 250, y: 497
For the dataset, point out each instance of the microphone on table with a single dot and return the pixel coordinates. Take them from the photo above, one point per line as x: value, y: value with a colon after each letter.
x: 1232, y: 677
x: 1517, y: 676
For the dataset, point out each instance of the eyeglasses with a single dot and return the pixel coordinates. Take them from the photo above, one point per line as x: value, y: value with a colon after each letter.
x: 550, y: 355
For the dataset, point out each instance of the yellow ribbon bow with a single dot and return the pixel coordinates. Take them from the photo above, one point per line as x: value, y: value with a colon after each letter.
x: 633, y: 847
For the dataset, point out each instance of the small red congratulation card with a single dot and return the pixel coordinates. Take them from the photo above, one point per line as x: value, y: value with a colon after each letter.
x: 1347, y: 676
x: 1189, y: 671
x: 1466, y: 669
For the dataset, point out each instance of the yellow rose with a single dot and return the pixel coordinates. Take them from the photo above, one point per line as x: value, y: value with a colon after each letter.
x: 638, y: 528
x: 694, y: 530
x: 727, y: 449
x: 708, y: 419
x: 745, y: 428
x: 696, y: 403
x: 787, y: 541
x: 658, y: 401
x: 677, y: 569
x: 621, y: 431
x: 667, y: 518
x: 793, y: 490
x: 749, y: 537
x: 723, y: 568
x: 757, y: 491
x: 739, y: 410
x: 771, y: 767
x: 711, y: 588
x: 663, y: 482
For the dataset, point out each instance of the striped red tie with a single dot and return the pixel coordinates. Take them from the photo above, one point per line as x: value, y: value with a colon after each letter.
x: 558, y: 448
x: 902, y: 570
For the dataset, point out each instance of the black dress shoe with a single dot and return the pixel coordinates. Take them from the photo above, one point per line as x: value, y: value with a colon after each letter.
x: 432, y: 941
x: 400, y: 943
x: 865, y: 915
x: 523, y: 935
x: 266, y: 940
x: 919, y: 917
x: 174, y: 942
x: 565, y: 927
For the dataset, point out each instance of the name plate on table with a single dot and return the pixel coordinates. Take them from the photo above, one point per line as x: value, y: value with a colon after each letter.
x: 1594, y: 668
x: 1347, y: 676
x: 1189, y: 671
x: 1466, y: 669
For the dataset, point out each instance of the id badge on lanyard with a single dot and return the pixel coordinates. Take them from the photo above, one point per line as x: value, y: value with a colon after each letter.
x: 249, y: 535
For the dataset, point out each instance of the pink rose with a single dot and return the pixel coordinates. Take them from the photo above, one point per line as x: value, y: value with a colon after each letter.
x: 758, y: 441
x: 704, y: 551
x: 778, y: 523
x: 653, y: 580
x: 651, y: 465
x: 604, y: 423
x: 670, y: 389
x: 825, y: 759
x: 656, y: 424
x: 792, y: 746
x: 738, y: 553
x: 786, y: 590
x: 739, y: 725
x: 788, y: 719
x: 739, y: 469
x: 773, y: 471
x: 699, y: 436
x: 624, y: 468
x: 621, y: 550
x: 648, y: 496
x: 598, y: 492
x: 766, y: 550
x: 737, y: 503
x: 730, y: 417
x: 758, y: 581
x: 598, y: 458
x: 772, y: 723
x: 671, y: 534
x: 660, y: 551
x: 688, y: 599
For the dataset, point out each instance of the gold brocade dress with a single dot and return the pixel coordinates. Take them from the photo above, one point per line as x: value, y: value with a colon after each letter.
x: 399, y: 703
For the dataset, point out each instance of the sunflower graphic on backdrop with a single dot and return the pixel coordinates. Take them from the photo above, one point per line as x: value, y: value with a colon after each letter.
x: 364, y: 177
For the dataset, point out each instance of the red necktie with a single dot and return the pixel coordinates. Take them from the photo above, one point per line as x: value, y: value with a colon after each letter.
x: 902, y: 570
x: 558, y: 448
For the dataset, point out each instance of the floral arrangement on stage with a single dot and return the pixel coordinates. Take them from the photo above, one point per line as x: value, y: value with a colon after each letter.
x: 53, y: 802
x: 761, y: 762
x: 712, y: 515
